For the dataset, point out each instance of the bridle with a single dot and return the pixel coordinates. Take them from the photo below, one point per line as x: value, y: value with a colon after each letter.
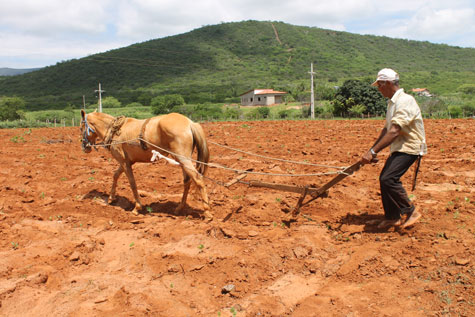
x: 87, y: 132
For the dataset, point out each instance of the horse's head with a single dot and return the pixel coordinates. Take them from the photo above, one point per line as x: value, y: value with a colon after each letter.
x: 88, y: 133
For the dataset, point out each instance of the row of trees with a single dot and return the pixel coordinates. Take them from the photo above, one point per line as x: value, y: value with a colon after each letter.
x: 353, y: 98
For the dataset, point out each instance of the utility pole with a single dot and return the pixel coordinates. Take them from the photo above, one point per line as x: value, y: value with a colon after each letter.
x: 312, y: 98
x: 100, y: 91
x: 84, y: 102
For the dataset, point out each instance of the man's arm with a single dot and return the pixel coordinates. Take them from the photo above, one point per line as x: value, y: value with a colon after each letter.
x: 385, y: 138
x: 381, y: 135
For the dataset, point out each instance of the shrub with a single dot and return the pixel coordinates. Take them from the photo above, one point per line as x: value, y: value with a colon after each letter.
x: 468, y: 89
x: 355, y: 92
x: 468, y: 109
x: 186, y: 110
x: 111, y: 102
x: 165, y: 104
x: 263, y: 112
x: 232, y: 113
x: 327, y: 111
x: 288, y: 98
x: 11, y: 108
x: 50, y: 115
x: 306, y: 111
x: 284, y: 113
x: 454, y: 111
x: 131, y: 113
x: 22, y: 124
x: 433, y: 105
x: 206, y: 112
x: 324, y: 92
x: 357, y: 110
x: 134, y: 104
x: 252, y: 114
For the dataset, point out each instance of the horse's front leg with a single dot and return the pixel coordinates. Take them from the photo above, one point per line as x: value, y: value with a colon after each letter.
x: 117, y: 174
x: 133, y: 186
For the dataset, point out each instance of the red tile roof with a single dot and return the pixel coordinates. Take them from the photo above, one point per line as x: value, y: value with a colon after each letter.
x: 419, y: 89
x: 265, y: 92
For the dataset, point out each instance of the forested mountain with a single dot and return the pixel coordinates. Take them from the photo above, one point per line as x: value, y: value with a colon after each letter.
x: 5, y: 71
x: 219, y: 62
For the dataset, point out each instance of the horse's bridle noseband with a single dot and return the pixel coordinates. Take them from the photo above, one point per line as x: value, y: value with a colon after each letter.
x: 87, y: 132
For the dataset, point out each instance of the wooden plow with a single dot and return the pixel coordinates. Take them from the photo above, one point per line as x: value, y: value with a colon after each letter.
x: 314, y: 193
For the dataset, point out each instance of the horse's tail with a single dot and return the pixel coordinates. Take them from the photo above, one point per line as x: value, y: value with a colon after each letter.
x: 199, y: 141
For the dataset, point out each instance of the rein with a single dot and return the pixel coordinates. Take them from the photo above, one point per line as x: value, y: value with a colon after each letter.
x: 87, y: 132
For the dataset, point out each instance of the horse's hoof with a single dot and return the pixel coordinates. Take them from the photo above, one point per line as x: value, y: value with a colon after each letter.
x: 208, y: 216
x: 111, y: 200
x: 135, y: 212
x: 178, y: 210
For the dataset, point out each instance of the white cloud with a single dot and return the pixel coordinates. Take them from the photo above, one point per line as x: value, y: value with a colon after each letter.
x: 64, y: 29
x: 53, y: 17
x: 430, y: 21
x: 442, y: 24
x: 141, y: 18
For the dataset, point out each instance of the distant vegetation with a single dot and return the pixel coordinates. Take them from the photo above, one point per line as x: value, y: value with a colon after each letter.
x: 211, y: 66
x: 13, y: 71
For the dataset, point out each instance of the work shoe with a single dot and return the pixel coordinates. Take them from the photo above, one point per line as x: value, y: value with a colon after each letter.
x: 390, y: 223
x: 411, y: 219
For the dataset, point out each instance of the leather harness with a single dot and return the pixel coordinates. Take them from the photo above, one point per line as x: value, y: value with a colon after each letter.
x: 114, y: 129
x: 141, y: 138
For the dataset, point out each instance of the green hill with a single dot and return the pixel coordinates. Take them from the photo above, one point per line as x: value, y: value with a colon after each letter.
x: 222, y: 61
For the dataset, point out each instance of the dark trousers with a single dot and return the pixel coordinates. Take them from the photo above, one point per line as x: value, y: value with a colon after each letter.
x: 395, y: 200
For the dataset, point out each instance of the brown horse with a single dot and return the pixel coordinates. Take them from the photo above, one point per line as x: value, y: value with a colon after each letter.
x: 172, y: 134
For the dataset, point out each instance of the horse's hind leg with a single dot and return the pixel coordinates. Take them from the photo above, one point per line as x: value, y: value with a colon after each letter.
x: 197, y: 178
x: 186, y: 183
x: 133, y: 186
x: 117, y: 174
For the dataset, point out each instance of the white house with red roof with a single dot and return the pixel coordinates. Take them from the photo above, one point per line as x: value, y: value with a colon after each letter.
x: 262, y: 97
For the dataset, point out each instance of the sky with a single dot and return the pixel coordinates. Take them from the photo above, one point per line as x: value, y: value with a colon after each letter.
x: 37, y: 33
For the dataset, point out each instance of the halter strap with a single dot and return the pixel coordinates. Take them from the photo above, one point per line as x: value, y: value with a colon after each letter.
x: 89, y: 130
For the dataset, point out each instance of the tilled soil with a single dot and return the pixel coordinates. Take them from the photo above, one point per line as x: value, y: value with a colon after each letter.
x: 65, y: 252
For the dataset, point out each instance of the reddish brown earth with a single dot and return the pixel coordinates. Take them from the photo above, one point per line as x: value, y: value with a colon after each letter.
x: 64, y: 252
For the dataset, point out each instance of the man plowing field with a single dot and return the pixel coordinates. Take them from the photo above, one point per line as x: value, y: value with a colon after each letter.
x: 404, y: 134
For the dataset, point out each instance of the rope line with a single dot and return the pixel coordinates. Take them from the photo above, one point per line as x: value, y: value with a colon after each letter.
x: 237, y: 170
x: 221, y: 166
x: 275, y: 159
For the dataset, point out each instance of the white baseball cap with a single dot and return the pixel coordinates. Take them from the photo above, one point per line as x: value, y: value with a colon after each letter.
x: 386, y: 74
